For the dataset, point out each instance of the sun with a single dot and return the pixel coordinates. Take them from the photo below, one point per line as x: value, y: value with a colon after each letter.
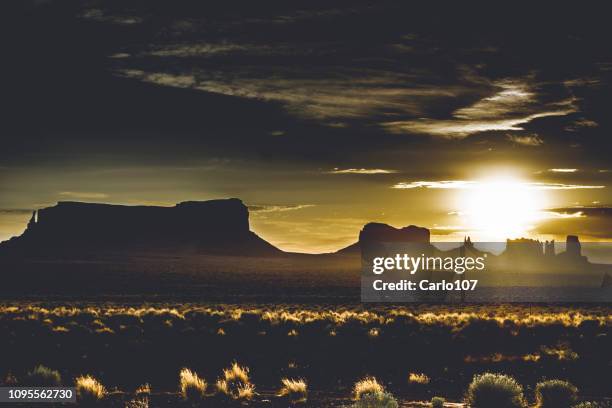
x: 501, y: 207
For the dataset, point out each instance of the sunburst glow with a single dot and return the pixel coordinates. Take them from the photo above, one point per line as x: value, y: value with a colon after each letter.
x: 501, y: 208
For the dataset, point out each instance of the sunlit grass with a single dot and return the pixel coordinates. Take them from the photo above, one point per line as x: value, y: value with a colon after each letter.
x: 368, y: 385
x: 296, y: 390
x: 42, y: 376
x: 235, y: 383
x: 89, y: 390
x: 191, y: 386
x: 418, y: 378
x: 454, y: 316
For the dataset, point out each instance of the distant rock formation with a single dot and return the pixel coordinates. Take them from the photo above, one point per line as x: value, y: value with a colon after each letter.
x: 524, y: 247
x: 218, y: 226
x: 377, y: 232
x: 534, y: 249
x: 374, y: 233
x: 573, y: 247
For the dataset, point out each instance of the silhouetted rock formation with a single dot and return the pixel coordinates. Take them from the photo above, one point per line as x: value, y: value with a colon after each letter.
x: 376, y: 232
x: 524, y: 248
x: 376, y: 239
x: 219, y: 226
x: 573, y: 247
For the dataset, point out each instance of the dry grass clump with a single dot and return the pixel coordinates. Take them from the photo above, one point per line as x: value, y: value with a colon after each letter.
x: 89, y: 390
x: 418, y: 378
x: 294, y: 390
x: 42, y: 376
x: 192, y: 387
x: 235, y: 383
x: 555, y: 394
x: 368, y: 385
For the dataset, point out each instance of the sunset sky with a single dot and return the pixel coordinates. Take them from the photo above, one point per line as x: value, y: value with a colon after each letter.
x: 320, y: 117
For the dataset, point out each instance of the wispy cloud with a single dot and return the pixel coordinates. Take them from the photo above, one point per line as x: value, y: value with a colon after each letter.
x: 562, y: 170
x: 581, y: 211
x: 528, y: 140
x: 361, y: 171
x: 560, y: 186
x: 277, y: 208
x: 514, y: 104
x: 101, y: 16
x: 580, y: 124
x: 461, y: 128
x: 464, y: 184
x: 444, y: 184
x: 349, y: 94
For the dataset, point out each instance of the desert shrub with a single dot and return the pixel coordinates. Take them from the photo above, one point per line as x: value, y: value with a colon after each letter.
x: 44, y: 377
x: 437, y: 402
x: 369, y: 393
x: 89, y: 390
x: 555, y: 394
x: 235, y: 383
x: 294, y: 390
x: 378, y: 400
x: 192, y: 387
x: 495, y: 390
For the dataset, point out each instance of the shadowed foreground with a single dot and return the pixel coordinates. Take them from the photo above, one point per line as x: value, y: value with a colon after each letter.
x: 416, y: 351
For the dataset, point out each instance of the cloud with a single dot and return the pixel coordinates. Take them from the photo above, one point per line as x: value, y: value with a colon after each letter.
x: 83, y: 195
x: 101, y: 16
x: 560, y: 186
x: 277, y: 208
x: 529, y: 140
x: 562, y: 170
x: 346, y: 94
x: 465, y: 184
x: 361, y: 171
x: 461, y: 128
x: 444, y: 184
x: 578, y: 212
x: 588, y: 222
x: 514, y: 104
x: 580, y: 124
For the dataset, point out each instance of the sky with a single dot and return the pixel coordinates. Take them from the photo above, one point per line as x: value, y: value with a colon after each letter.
x: 489, y: 121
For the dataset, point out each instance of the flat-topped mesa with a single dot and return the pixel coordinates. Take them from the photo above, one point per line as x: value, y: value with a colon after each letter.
x: 216, y: 225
